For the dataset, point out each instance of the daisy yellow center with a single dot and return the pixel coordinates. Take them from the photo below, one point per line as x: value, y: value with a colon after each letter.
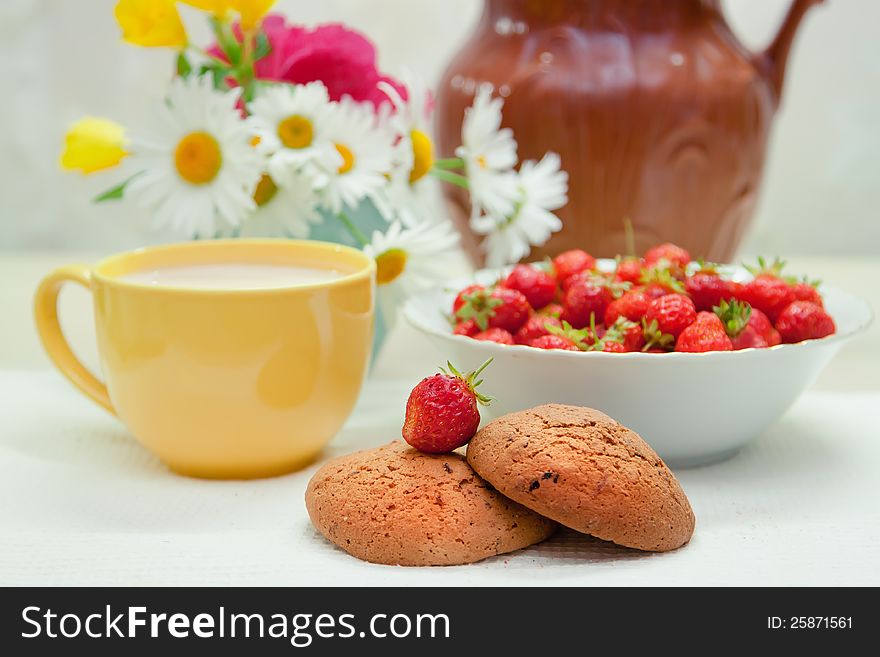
x: 296, y: 132
x: 390, y: 265
x: 347, y: 158
x: 423, y: 155
x: 482, y: 161
x: 265, y: 190
x: 198, y: 158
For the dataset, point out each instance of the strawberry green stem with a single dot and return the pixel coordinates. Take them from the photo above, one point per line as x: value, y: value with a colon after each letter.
x: 469, y: 379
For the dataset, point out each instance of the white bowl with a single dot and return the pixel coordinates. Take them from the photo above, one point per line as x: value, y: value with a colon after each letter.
x: 692, y: 408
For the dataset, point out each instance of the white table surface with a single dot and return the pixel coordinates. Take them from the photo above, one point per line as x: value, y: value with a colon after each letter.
x: 82, y: 503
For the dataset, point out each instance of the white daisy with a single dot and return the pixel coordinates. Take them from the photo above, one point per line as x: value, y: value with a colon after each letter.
x: 198, y: 171
x: 410, y: 191
x: 283, y: 210
x: 542, y: 187
x: 411, y: 204
x: 412, y: 259
x: 489, y: 154
x: 291, y: 124
x: 411, y: 123
x: 363, y: 155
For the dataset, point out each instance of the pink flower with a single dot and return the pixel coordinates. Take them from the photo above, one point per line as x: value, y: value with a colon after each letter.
x: 343, y: 59
x: 282, y: 39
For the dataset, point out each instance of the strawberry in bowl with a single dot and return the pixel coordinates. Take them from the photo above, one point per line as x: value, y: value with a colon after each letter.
x: 698, y: 358
x: 666, y: 296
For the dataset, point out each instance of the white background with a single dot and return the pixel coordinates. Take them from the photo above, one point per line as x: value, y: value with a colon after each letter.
x: 61, y: 59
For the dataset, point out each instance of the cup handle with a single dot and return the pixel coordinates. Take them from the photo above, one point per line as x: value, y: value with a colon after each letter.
x: 46, y: 316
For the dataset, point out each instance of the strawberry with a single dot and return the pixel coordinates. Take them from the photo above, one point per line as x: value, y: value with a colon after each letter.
x: 806, y: 291
x: 572, y: 262
x: 632, y: 306
x: 673, y: 313
x: 629, y: 270
x: 590, y: 294
x: 584, y: 339
x: 674, y: 255
x: 707, y: 290
x: 579, y: 277
x: 584, y: 300
x: 497, y: 307
x: 749, y: 339
x: 551, y: 310
x: 762, y: 325
x: 773, y: 339
x: 758, y: 333
x: 767, y: 293
x: 804, y: 320
x: 627, y: 333
x: 442, y: 411
x: 460, y: 298
x: 734, y: 290
x: 736, y: 317
x: 535, y: 327
x: 705, y: 334
x: 706, y: 287
x: 655, y: 340
x: 551, y: 341
x: 498, y: 335
x: 468, y: 327
x: 661, y: 279
x: 536, y: 285
x: 655, y: 291
x: 610, y: 346
x: 588, y: 276
x: 595, y: 338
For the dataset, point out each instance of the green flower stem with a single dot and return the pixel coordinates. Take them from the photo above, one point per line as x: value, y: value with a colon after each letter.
x: 449, y: 163
x: 240, y: 55
x: 198, y: 50
x: 246, y: 68
x: 451, y: 177
x: 115, y: 193
x: 226, y: 39
x: 112, y: 194
x: 355, y: 232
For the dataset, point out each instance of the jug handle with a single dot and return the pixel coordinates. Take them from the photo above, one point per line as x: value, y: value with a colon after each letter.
x: 771, y: 62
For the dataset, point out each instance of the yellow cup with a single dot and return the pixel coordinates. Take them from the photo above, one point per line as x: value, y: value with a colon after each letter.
x: 224, y: 383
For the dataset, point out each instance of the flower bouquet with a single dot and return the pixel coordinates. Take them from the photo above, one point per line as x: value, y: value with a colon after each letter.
x: 277, y: 130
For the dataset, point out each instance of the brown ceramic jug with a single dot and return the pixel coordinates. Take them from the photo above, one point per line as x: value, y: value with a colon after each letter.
x: 659, y: 114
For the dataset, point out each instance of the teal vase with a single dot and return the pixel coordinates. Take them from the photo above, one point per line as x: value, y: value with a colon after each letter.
x: 368, y: 219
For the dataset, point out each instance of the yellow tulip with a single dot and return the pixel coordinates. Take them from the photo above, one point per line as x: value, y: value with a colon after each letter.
x: 251, y: 11
x: 150, y: 23
x: 217, y: 7
x: 93, y: 144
